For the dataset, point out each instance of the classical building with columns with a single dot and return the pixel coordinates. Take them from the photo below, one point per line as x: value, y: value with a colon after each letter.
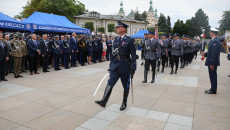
x: 100, y: 20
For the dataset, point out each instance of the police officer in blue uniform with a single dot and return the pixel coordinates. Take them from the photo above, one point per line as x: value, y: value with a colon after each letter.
x: 3, y: 57
x: 89, y: 46
x: 56, y: 52
x: 95, y: 49
x: 152, y: 53
x: 109, y: 48
x: 122, y: 65
x: 213, y: 60
x: 100, y: 48
x: 177, y: 51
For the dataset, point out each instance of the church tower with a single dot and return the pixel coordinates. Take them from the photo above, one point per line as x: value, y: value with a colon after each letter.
x: 152, y: 17
x: 121, y: 11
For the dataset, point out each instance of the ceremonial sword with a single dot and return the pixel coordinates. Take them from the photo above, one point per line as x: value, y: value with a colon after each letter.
x: 100, y: 83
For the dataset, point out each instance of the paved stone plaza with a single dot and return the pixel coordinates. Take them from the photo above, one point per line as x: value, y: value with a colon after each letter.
x: 63, y: 100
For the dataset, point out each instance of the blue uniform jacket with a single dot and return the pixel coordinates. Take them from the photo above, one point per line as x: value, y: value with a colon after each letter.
x: 73, y: 44
x: 100, y: 44
x: 213, y: 54
x: 32, y: 48
x: 95, y: 46
x: 123, y: 48
x: 65, y: 46
x: 3, y: 51
x: 56, y: 47
x: 89, y: 45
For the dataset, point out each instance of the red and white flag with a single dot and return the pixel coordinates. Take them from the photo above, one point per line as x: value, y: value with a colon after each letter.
x: 156, y: 33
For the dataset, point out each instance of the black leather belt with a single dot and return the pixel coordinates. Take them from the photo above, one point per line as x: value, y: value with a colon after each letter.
x: 122, y: 57
x: 176, y: 49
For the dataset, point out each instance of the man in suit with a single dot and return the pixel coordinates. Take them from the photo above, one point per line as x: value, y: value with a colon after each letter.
x: 3, y: 57
x: 213, y: 60
x: 9, y: 63
x: 177, y: 51
x: 122, y: 65
x: 74, y: 49
x: 152, y: 52
x: 33, y: 53
x: 65, y: 48
x: 45, y: 52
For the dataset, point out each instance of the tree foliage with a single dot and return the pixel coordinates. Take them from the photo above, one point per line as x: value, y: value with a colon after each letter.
x: 193, y: 27
x: 225, y: 21
x: 111, y: 27
x: 137, y: 16
x: 152, y: 29
x: 144, y: 16
x: 68, y: 8
x: 169, y: 29
x: 89, y: 25
x: 162, y: 23
x: 101, y: 29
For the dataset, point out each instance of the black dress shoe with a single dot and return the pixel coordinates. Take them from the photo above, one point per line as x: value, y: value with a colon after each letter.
x: 175, y: 72
x: 20, y: 76
x: 48, y: 67
x: 4, y: 80
x: 171, y: 72
x: 210, y: 92
x: 228, y: 75
x: 16, y: 76
x: 123, y: 106
x: 144, y: 81
x: 58, y: 69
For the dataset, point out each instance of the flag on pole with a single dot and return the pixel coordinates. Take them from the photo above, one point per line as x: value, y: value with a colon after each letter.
x: 156, y: 33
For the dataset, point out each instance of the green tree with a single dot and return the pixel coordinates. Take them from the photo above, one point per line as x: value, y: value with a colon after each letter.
x: 101, y: 29
x: 225, y: 21
x: 68, y: 8
x: 89, y: 25
x: 152, y: 29
x: 198, y: 22
x: 137, y: 16
x: 144, y: 16
x: 111, y: 27
x: 169, y: 29
x: 162, y: 23
x: 176, y: 27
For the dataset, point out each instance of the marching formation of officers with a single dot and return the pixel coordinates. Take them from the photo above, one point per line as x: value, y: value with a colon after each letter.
x: 19, y: 53
x: 167, y: 52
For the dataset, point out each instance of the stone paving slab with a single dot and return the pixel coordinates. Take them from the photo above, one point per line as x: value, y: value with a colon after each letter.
x: 64, y: 100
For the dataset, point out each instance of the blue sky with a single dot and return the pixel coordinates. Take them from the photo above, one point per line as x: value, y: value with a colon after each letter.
x: 176, y: 9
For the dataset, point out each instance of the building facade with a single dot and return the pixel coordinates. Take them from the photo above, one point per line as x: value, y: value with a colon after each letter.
x: 103, y: 21
x: 100, y: 20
